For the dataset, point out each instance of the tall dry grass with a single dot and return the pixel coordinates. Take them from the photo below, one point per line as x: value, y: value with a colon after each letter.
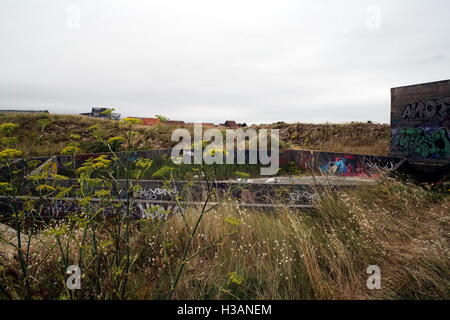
x: 241, y: 253
x: 363, y: 138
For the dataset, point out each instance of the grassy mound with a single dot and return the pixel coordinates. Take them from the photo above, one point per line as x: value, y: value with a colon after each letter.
x: 48, y: 134
x: 44, y: 134
x: 362, y: 138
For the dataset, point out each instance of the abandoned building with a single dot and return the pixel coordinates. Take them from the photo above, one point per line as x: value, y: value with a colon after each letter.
x: 102, y: 113
x: 230, y: 124
x: 420, y: 127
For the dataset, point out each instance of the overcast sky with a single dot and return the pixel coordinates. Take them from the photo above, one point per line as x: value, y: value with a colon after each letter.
x: 256, y: 61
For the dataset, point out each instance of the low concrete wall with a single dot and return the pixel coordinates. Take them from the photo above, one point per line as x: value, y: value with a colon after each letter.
x: 331, y: 163
x: 156, y: 199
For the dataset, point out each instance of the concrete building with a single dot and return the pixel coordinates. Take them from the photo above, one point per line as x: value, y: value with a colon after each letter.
x: 420, y: 122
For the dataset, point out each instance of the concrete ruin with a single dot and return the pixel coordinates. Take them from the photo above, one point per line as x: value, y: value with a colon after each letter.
x: 327, y: 172
x: 420, y: 126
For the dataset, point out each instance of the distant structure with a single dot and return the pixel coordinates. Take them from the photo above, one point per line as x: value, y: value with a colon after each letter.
x: 204, y: 124
x: 149, y: 121
x: 208, y: 124
x: 155, y: 121
x: 174, y: 122
x: 231, y: 124
x: 102, y: 113
x: 24, y: 111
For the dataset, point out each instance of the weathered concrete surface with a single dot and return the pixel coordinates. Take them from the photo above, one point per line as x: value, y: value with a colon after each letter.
x: 312, y: 181
x: 155, y: 199
x: 329, y: 163
x: 420, y: 122
x: 8, y: 236
x: 341, y: 164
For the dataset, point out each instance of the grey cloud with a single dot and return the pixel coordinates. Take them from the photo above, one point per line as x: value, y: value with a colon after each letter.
x: 203, y: 60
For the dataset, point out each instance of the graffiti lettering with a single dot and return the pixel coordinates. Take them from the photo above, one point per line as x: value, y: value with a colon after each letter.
x: 302, y: 197
x: 427, y: 109
x: 153, y: 194
x: 376, y: 163
x: 61, y: 208
x: 149, y: 211
x: 428, y: 143
x: 344, y: 165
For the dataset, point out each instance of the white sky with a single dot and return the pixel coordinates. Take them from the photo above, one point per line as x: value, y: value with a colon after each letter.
x: 253, y: 61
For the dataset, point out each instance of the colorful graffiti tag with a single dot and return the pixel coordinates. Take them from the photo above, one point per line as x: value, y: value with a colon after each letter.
x: 427, y: 109
x: 343, y: 165
x: 428, y: 143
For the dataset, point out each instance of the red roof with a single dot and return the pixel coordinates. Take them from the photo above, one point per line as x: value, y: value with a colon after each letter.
x: 150, y: 121
x: 174, y: 122
x: 231, y: 124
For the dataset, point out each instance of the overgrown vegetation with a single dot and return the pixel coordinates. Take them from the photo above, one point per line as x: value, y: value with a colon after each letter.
x: 44, y: 134
x: 216, y: 250
x: 362, y: 138
x: 238, y: 253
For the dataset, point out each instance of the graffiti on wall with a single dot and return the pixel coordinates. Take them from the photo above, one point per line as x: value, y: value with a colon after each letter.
x: 60, y: 208
x: 156, y: 193
x: 159, y: 212
x: 302, y: 196
x: 425, y: 142
x: 306, y: 161
x: 426, y: 110
x: 141, y: 209
x: 355, y: 165
x: 342, y: 164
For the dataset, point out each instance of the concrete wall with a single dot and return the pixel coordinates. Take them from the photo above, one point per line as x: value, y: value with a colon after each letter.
x: 420, y: 122
x: 341, y: 164
x: 328, y: 163
x: 331, y: 163
x: 156, y: 199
